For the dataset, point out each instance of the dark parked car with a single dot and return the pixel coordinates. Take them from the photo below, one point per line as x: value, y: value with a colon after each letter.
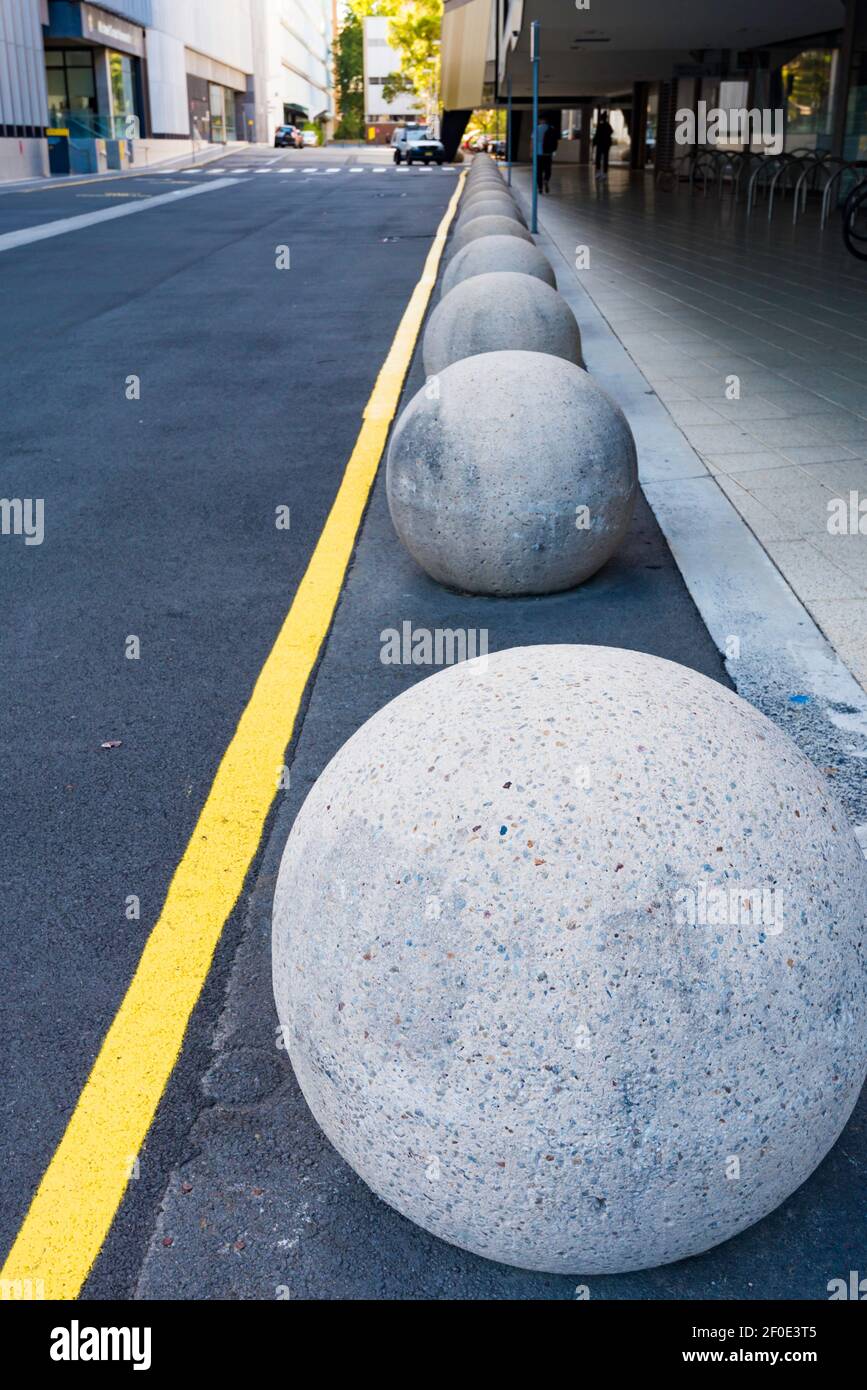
x: 288, y: 137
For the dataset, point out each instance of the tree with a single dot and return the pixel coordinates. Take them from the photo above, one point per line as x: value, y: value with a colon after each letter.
x: 349, y: 65
x: 415, y: 33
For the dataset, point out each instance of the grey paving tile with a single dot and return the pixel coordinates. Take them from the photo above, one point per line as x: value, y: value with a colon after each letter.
x: 818, y: 577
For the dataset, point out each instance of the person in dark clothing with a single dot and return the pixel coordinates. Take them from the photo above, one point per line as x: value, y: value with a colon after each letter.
x: 602, y: 140
x: 546, y: 143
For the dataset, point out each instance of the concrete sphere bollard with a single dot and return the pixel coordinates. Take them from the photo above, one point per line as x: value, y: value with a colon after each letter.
x: 488, y: 226
x: 497, y: 253
x: 489, y: 181
x: 517, y: 475
x: 477, y: 195
x: 485, y: 174
x: 500, y: 311
x: 504, y: 994
x: 489, y: 207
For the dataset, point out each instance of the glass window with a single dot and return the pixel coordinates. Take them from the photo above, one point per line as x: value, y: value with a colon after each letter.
x: 78, y: 58
x: 122, y: 86
x: 53, y: 58
x: 808, y: 82
x: 80, y: 88
x: 215, y: 93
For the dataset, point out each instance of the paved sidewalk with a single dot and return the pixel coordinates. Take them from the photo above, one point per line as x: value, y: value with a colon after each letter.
x: 698, y: 295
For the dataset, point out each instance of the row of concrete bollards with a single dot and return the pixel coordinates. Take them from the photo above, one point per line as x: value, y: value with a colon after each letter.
x: 566, y: 939
x: 510, y: 472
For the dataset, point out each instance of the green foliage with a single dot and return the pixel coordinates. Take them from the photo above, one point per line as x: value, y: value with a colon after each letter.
x: 415, y: 33
x: 349, y: 65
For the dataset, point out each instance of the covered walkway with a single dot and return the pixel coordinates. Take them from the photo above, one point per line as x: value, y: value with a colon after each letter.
x: 754, y: 336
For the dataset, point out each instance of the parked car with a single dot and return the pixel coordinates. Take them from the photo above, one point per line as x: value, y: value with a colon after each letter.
x: 412, y: 142
x: 310, y: 137
x: 288, y: 137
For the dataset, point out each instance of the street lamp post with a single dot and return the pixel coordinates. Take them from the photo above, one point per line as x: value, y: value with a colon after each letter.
x: 534, y: 59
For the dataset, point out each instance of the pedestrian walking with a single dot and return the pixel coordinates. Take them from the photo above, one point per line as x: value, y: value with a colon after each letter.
x: 603, y: 138
x: 546, y: 143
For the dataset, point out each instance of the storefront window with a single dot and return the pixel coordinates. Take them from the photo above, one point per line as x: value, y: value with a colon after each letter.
x: 122, y: 84
x: 855, y: 145
x: 231, y: 122
x: 808, y: 83
x: 70, y: 82
x: 218, y: 125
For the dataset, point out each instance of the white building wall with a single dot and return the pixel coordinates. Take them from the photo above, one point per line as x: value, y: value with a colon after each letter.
x: 380, y: 60
x: 293, y: 60
x: 219, y: 29
x: 22, y: 89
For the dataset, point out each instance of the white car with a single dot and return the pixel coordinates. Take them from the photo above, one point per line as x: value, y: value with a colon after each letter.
x: 415, y: 142
x: 309, y: 137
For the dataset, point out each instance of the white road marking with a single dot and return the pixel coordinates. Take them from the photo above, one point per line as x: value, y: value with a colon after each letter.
x: 10, y: 240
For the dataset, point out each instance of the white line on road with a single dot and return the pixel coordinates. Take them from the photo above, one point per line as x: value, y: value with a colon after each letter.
x: 10, y: 240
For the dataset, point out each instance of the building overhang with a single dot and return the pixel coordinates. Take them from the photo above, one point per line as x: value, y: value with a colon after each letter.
x: 604, y: 49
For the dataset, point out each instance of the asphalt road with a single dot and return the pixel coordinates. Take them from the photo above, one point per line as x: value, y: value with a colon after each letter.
x: 159, y: 522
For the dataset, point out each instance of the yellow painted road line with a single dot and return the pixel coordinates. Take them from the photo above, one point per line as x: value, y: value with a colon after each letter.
x: 84, y: 1184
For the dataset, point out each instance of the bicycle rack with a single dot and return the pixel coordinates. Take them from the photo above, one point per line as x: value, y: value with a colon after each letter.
x: 852, y: 166
x: 822, y: 165
x: 855, y: 203
x: 766, y: 166
x: 790, y: 163
x: 705, y: 163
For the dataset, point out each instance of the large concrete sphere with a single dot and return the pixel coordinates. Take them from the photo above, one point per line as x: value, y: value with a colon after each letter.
x: 497, y: 253
x: 493, y: 998
x: 497, y: 225
x: 500, y: 311
x: 489, y: 207
x: 516, y: 475
x: 479, y: 195
x: 490, y: 182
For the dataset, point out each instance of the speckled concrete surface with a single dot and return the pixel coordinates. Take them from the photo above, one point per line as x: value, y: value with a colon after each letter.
x: 496, y: 225
x: 496, y: 191
x: 513, y: 474
x: 494, y: 253
x: 506, y: 1020
x: 500, y: 311
x: 488, y: 206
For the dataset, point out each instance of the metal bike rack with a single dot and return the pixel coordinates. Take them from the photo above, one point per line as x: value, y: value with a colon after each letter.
x: 856, y: 167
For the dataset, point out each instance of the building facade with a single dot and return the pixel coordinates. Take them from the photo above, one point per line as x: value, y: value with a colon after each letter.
x: 87, y: 87
x: 380, y: 62
x: 804, y: 59
x: 292, y: 63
